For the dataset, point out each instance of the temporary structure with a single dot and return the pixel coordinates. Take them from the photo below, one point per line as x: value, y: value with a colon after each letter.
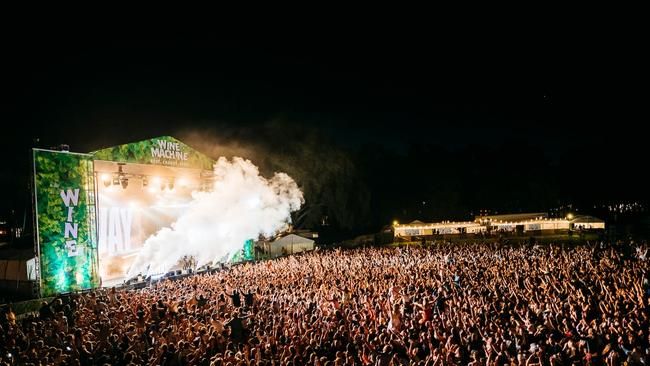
x: 588, y: 222
x: 290, y: 244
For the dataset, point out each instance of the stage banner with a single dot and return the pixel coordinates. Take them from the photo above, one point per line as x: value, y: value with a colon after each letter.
x: 66, y: 237
x: 164, y: 150
x: 245, y: 254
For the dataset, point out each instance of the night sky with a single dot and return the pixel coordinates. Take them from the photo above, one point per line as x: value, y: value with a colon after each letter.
x: 580, y: 105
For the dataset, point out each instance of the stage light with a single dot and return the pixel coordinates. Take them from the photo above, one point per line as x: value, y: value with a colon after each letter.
x: 170, y: 185
x: 152, y: 189
x: 395, y: 223
x: 155, y: 180
x: 569, y: 216
x: 106, y: 179
x: 125, y: 183
x: 182, y: 182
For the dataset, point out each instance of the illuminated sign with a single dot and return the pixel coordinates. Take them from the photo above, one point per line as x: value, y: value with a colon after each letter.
x: 166, y: 151
x: 65, y: 222
x: 115, y: 230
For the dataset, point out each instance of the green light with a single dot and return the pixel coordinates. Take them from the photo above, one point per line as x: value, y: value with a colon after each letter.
x: 61, y: 283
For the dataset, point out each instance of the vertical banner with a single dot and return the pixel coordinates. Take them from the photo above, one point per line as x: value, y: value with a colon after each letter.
x: 249, y: 250
x: 246, y: 253
x: 65, y: 222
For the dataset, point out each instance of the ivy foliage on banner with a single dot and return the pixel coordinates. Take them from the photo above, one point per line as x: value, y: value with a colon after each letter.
x: 244, y: 254
x: 66, y: 263
x: 165, y: 150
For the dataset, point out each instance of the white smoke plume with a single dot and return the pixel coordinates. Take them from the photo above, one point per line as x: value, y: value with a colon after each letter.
x: 241, y: 206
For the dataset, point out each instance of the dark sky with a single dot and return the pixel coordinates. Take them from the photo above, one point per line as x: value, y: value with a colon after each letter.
x: 89, y: 92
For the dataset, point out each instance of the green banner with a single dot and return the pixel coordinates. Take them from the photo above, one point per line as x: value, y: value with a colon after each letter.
x: 66, y: 222
x: 246, y: 253
x: 164, y: 150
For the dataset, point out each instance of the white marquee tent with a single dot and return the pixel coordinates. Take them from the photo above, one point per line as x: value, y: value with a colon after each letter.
x: 290, y: 244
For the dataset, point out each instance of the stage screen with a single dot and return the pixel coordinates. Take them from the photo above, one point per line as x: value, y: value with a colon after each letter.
x: 153, y: 197
x: 135, y: 201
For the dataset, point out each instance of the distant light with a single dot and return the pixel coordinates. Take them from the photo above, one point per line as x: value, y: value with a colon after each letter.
x: 106, y: 179
x: 569, y: 216
x: 395, y: 223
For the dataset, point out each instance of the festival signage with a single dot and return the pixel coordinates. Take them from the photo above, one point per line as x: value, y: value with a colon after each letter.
x: 165, y: 151
x: 65, y: 222
x: 244, y: 254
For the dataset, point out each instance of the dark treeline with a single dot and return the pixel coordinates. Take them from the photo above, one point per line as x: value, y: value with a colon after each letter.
x: 362, y: 188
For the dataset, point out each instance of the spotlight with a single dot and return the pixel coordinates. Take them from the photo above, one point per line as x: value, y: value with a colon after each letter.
x: 106, y: 179
x: 125, y: 183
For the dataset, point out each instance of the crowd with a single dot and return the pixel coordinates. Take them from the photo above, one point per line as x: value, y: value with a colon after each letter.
x: 479, y: 304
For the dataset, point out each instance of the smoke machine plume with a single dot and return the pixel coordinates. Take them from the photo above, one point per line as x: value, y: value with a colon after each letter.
x: 241, y: 206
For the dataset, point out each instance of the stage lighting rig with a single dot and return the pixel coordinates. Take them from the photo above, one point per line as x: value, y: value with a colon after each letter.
x: 121, y: 177
x: 106, y: 179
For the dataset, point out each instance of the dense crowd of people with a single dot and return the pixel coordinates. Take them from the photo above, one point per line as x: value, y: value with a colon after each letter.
x: 479, y: 304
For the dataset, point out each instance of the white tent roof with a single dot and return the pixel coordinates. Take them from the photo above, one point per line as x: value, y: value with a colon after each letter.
x: 585, y: 219
x: 292, y: 239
